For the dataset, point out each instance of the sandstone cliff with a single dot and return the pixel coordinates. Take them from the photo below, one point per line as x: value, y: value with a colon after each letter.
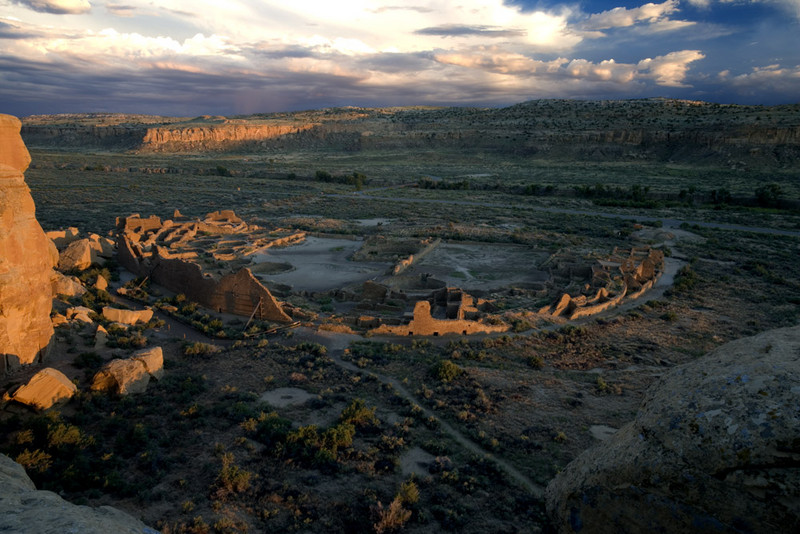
x: 25, y: 260
x: 653, y: 129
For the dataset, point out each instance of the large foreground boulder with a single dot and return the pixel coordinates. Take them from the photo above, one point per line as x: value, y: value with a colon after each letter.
x: 23, y: 508
x: 25, y: 261
x: 715, y: 447
x: 131, y: 375
x: 44, y: 389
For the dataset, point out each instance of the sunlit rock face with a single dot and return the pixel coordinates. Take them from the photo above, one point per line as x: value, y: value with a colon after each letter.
x: 715, y: 447
x: 25, y: 259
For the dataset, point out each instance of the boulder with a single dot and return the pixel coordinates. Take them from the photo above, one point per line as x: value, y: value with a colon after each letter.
x: 62, y: 238
x: 25, y: 261
x: 715, y: 446
x: 79, y: 255
x: 58, y: 320
x: 79, y: 313
x: 23, y: 508
x: 101, y: 283
x: 44, y: 389
x: 66, y: 285
x: 153, y: 360
x: 122, y: 377
x: 100, y: 337
x: 102, y: 246
x: 127, y: 316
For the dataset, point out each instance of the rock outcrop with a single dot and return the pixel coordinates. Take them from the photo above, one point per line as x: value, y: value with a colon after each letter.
x: 715, y: 447
x: 23, y: 508
x: 127, y: 316
x: 44, y: 389
x: 131, y: 375
x: 25, y: 260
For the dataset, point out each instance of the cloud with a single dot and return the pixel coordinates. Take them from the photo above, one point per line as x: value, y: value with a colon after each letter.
x: 451, y: 30
x: 670, y: 70
x: 620, y: 17
x: 59, y: 7
x: 771, y: 78
x: 121, y: 10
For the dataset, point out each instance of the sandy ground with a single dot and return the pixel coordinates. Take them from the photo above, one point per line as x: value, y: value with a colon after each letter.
x: 321, y: 264
x: 283, y: 397
x: 485, y: 266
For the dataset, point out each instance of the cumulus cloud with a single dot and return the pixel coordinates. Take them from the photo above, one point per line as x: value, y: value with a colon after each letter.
x: 59, y: 7
x: 770, y: 77
x: 670, y: 70
x: 620, y: 17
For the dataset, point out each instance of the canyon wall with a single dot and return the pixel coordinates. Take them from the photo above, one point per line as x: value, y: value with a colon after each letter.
x: 25, y: 260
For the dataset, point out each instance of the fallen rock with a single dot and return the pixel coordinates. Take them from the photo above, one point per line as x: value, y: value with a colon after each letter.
x: 153, y: 360
x: 101, y: 283
x: 23, y: 508
x: 101, y: 246
x: 130, y: 375
x: 66, y: 285
x: 79, y: 313
x: 44, y: 389
x: 25, y: 262
x: 62, y: 238
x: 79, y: 256
x: 58, y: 320
x: 715, y: 446
x: 127, y: 316
x: 100, y: 337
x: 123, y: 377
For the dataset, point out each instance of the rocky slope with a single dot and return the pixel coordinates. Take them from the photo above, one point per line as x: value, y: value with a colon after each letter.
x: 23, y: 508
x: 26, y: 262
x: 715, y: 447
x: 641, y: 129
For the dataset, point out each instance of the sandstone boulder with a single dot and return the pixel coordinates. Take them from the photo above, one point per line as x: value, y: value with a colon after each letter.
x: 127, y: 316
x: 66, y: 285
x: 58, y: 320
x: 123, y: 377
x: 102, y: 246
x: 79, y: 313
x: 715, y: 447
x: 25, y: 262
x: 100, y: 337
x: 62, y: 238
x: 44, y: 389
x: 153, y: 360
x: 79, y: 255
x: 101, y: 283
x: 23, y: 508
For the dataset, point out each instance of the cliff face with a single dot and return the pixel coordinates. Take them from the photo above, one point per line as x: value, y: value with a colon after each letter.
x: 649, y: 129
x: 25, y: 261
x: 214, y: 137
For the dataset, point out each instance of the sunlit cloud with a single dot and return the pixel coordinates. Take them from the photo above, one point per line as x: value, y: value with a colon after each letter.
x: 621, y: 17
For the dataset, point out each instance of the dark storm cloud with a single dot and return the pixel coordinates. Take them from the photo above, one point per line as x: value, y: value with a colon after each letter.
x: 455, y: 30
x: 397, y: 62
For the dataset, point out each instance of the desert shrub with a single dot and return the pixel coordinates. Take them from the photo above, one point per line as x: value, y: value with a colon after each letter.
x: 408, y: 493
x: 359, y: 415
x: 231, y: 478
x: 446, y: 371
x: 198, y: 348
x: 391, y: 519
x: 35, y: 460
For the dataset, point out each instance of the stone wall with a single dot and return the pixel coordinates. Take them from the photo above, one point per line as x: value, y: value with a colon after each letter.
x: 423, y: 324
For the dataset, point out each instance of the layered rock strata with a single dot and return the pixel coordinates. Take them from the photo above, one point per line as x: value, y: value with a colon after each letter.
x: 25, y: 259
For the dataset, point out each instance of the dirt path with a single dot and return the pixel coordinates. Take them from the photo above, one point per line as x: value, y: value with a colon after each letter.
x: 336, y: 345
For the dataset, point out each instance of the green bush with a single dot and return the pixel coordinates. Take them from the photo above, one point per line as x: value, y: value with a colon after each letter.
x: 446, y: 371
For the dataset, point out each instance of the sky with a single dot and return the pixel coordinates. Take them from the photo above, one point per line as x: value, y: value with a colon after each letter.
x: 193, y: 57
